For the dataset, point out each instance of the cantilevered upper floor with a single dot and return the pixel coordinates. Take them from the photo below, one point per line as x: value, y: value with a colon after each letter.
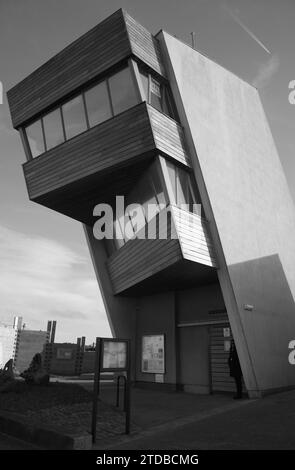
x: 100, y: 50
x: 99, y: 120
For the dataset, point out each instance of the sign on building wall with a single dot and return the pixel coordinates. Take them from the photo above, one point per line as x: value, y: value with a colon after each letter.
x: 153, y: 354
x: 114, y: 354
x: 63, y: 353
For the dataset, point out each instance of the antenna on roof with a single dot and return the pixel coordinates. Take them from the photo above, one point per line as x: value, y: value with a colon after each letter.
x: 193, y: 35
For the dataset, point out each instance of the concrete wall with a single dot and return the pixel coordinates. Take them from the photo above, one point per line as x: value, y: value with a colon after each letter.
x: 247, y: 202
x: 30, y: 342
x: 195, y: 304
x: 120, y: 310
x: 7, y: 343
x: 155, y: 316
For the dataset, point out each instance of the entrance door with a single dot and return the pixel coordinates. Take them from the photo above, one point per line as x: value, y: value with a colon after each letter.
x: 220, y: 337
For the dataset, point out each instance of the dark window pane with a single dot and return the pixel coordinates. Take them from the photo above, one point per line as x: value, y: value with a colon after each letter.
x: 158, y: 186
x: 35, y: 138
x: 53, y: 129
x: 172, y: 175
x: 145, y: 85
x: 123, y: 93
x: 182, y: 187
x: 74, y: 117
x: 156, y: 94
x: 98, y: 104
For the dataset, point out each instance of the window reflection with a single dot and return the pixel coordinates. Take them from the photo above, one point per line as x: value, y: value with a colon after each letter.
x: 149, y: 193
x: 123, y: 93
x: 98, y: 104
x: 145, y: 84
x: 35, y: 138
x: 157, y: 94
x: 53, y: 129
x: 102, y: 101
x: 183, y: 189
x: 74, y: 117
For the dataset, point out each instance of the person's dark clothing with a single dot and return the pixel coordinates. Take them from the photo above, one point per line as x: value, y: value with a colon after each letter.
x: 235, y: 370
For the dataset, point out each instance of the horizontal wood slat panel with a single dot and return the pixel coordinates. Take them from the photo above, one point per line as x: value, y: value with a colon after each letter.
x: 93, y: 53
x: 112, y: 41
x: 109, y: 144
x: 221, y: 380
x: 194, y: 237
x: 144, y: 45
x: 139, y: 259
x: 169, y: 136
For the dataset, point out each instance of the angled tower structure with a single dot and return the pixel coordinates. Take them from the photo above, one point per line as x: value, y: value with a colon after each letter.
x: 121, y: 112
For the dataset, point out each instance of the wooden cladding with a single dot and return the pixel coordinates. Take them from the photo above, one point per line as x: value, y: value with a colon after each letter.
x: 141, y: 259
x: 110, y: 145
x: 144, y: 45
x: 110, y: 42
x: 194, y: 237
x: 169, y: 136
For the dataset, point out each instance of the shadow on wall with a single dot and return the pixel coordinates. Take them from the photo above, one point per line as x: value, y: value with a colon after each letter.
x: 270, y: 325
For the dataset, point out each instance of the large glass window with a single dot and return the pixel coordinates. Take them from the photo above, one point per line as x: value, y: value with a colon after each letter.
x: 102, y: 101
x: 149, y: 193
x: 123, y: 93
x: 35, y: 138
x: 74, y: 117
x: 53, y: 129
x: 98, y: 104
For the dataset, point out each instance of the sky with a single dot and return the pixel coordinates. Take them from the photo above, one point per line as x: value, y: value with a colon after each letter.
x: 45, y: 268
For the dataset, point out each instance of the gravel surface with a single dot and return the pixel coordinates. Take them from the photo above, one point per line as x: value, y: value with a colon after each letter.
x: 65, y: 408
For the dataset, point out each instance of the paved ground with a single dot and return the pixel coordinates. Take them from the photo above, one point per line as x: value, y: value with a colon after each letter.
x: 10, y: 443
x: 267, y: 423
x: 170, y: 420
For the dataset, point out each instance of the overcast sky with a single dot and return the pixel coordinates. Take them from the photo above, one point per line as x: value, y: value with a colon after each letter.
x: 45, y: 269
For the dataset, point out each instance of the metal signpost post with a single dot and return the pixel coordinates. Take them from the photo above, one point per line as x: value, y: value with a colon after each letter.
x: 112, y: 355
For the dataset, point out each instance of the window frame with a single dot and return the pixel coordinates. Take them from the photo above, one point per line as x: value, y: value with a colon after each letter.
x: 135, y: 83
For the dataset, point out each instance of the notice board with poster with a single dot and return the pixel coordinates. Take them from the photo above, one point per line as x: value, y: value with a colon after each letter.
x: 114, y: 355
x: 153, y: 354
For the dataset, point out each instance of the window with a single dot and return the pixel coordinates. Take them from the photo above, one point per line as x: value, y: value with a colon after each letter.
x: 182, y: 185
x: 74, y: 117
x: 35, y: 138
x: 53, y: 129
x: 123, y: 93
x: 98, y: 104
x: 157, y: 94
x: 145, y: 84
x: 148, y: 191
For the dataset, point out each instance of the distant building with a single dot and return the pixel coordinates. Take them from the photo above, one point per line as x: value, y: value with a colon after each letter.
x: 8, y: 340
x: 21, y: 344
x: 122, y: 112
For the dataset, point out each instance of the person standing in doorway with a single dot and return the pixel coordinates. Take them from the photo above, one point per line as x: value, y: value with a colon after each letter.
x: 235, y: 370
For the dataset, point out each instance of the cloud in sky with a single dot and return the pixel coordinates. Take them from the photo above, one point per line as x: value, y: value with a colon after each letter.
x: 42, y: 280
x: 266, y: 71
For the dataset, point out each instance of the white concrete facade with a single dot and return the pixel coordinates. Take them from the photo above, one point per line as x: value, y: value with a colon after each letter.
x: 249, y: 207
